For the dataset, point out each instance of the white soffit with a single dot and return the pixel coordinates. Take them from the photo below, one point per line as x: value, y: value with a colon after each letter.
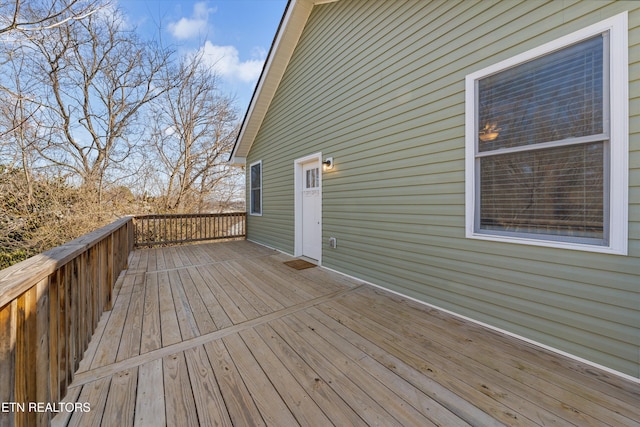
x: 291, y: 28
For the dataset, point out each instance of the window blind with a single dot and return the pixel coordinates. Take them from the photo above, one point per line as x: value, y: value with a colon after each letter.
x: 558, y: 189
x: 551, y: 98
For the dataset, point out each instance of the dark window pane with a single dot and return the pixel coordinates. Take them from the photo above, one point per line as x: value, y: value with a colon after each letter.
x: 551, y: 98
x: 558, y: 191
x: 255, y: 176
x: 255, y: 201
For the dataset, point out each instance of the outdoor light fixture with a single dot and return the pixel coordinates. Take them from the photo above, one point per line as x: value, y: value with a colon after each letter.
x: 327, y: 164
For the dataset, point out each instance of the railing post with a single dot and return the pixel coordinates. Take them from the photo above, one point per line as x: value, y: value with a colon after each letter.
x: 8, y: 328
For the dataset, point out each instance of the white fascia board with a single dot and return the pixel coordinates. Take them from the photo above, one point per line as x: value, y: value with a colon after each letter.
x: 238, y: 161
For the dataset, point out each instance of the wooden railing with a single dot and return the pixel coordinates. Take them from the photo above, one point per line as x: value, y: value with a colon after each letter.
x: 50, y: 305
x: 170, y: 229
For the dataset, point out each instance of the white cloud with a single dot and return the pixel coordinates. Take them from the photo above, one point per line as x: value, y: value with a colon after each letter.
x: 225, y: 60
x: 196, y: 26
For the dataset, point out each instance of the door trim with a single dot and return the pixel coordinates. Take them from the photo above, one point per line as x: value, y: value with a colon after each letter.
x: 298, y: 185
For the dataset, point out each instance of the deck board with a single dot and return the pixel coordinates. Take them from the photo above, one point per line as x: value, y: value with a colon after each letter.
x: 150, y: 403
x: 516, y: 373
x: 151, y: 335
x: 226, y: 334
x: 240, y: 405
x: 208, y: 397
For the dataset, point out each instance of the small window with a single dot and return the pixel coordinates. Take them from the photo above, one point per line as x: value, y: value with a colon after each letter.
x: 255, y: 188
x: 545, y: 133
x: 312, y: 178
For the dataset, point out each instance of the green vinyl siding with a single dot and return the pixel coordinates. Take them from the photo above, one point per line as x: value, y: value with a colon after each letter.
x: 379, y: 86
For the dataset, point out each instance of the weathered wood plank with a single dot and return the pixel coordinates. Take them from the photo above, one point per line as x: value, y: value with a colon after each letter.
x: 398, y: 410
x: 41, y: 367
x: 229, y: 300
x: 459, y: 379
x: 338, y: 411
x: 208, y: 398
x: 160, y: 260
x: 168, y: 313
x: 295, y: 279
x: 462, y: 408
x: 95, y: 394
x: 150, y: 400
x: 299, y: 402
x: 186, y: 320
x: 121, y: 400
x: 258, y: 296
x: 240, y: 405
x: 197, y: 307
x: 54, y: 337
x: 143, y: 260
x: 26, y: 342
x: 248, y: 305
x: 8, y: 330
x: 152, y: 263
x: 405, y: 390
x: 494, y: 353
x: 183, y: 252
x: 151, y: 338
x: 92, y: 348
x: 281, y: 283
x: 275, y: 288
x: 271, y: 406
x: 61, y: 419
x: 108, y: 348
x: 371, y: 411
x: 180, y: 404
x: 209, y: 300
x: 131, y: 334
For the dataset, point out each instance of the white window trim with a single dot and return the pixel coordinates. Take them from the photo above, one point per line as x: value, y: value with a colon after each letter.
x: 617, y: 26
x: 251, y: 190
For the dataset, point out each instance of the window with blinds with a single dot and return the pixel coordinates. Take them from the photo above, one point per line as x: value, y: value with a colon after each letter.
x: 547, y: 142
x: 542, y: 143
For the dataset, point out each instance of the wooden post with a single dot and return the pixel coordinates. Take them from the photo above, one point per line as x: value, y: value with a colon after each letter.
x: 41, y: 369
x: 8, y: 328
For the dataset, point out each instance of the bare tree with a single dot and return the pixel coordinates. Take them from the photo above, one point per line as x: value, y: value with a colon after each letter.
x: 18, y: 126
x: 36, y: 15
x: 194, y: 127
x: 98, y: 76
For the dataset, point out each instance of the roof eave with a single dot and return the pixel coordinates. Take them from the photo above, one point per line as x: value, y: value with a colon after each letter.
x: 287, y: 37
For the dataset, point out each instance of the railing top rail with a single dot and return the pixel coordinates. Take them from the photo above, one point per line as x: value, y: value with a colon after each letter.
x: 18, y: 278
x: 203, y: 215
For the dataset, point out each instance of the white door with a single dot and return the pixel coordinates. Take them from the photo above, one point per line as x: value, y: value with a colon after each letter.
x: 311, y: 211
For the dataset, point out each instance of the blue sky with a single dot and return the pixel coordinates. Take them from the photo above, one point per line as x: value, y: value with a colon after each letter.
x: 235, y: 35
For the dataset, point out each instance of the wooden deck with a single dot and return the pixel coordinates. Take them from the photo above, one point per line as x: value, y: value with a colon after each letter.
x: 226, y: 334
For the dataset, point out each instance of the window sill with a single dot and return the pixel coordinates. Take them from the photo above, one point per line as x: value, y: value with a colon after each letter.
x: 620, y: 249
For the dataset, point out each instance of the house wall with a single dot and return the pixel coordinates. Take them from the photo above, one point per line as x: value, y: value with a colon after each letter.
x: 379, y: 86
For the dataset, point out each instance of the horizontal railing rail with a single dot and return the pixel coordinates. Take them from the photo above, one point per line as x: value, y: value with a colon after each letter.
x: 151, y: 230
x: 50, y: 305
